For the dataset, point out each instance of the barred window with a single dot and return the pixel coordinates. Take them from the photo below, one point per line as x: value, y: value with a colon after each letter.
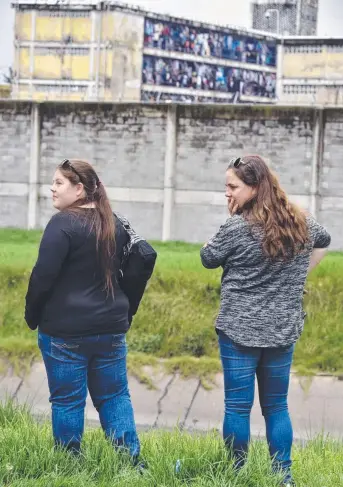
x: 302, y: 89
x: 303, y: 49
x: 335, y: 48
x: 49, y: 88
x: 59, y: 51
x: 64, y: 13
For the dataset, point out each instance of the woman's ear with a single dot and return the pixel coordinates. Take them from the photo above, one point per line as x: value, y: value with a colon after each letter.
x: 79, y: 189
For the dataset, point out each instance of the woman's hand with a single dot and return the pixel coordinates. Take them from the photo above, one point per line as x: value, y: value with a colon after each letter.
x: 232, y: 206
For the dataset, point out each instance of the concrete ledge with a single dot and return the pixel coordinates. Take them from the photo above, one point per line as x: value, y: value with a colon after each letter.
x: 315, y: 405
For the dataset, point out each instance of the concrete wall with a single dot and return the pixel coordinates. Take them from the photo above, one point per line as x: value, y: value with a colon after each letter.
x: 308, y: 17
x: 127, y: 56
x: 76, y: 55
x: 164, y: 166
x: 312, y: 71
x: 296, y: 17
x: 15, y: 147
x: 324, y: 64
x: 125, y: 143
x: 331, y: 175
x: 284, y: 22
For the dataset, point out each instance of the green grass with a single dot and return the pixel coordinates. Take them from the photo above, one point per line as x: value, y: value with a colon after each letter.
x: 28, y: 459
x: 175, y: 320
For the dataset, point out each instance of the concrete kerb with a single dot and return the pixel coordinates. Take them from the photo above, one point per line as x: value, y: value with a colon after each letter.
x: 315, y: 407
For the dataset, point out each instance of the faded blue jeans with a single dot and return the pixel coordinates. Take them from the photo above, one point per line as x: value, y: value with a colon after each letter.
x: 98, y: 363
x: 272, y: 367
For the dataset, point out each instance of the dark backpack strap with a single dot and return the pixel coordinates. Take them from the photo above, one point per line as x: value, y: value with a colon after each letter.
x: 134, y: 237
x: 137, y: 266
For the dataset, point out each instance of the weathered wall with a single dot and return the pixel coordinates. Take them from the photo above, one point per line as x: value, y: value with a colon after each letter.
x: 78, y: 54
x: 312, y: 72
x: 15, y: 146
x: 331, y: 176
x: 297, y: 17
x: 127, y: 57
x: 164, y: 166
x: 326, y: 64
x: 209, y: 137
x: 125, y: 143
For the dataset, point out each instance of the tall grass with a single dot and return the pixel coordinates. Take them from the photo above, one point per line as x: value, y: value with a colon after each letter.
x: 176, y: 317
x: 28, y: 459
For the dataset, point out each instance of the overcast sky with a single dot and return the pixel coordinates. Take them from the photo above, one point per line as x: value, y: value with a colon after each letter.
x: 233, y: 12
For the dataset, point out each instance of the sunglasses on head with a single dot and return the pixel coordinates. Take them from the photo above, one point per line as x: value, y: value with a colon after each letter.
x: 237, y: 162
x: 66, y: 164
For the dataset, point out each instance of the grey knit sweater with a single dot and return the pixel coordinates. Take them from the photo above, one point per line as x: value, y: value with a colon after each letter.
x: 261, y: 299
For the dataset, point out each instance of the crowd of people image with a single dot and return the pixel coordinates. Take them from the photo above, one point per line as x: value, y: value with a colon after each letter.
x: 204, y: 42
x: 191, y: 75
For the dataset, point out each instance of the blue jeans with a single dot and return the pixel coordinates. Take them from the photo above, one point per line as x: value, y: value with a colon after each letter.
x: 98, y: 363
x: 272, y: 367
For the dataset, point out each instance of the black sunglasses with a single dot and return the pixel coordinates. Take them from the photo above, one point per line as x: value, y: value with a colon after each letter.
x: 66, y: 164
x: 236, y: 162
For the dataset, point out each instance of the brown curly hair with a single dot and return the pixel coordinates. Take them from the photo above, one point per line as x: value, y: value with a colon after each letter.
x: 284, y: 225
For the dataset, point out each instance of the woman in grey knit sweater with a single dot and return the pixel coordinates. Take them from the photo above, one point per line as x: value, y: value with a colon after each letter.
x: 266, y: 248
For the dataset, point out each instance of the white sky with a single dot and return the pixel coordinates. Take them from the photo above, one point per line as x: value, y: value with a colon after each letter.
x: 233, y: 12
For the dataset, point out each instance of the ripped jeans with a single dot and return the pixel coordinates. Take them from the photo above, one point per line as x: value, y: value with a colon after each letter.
x: 96, y: 363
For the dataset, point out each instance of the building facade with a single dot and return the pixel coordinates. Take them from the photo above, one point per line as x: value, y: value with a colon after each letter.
x: 5, y: 91
x: 312, y: 71
x: 73, y: 50
x: 107, y: 51
x: 286, y: 17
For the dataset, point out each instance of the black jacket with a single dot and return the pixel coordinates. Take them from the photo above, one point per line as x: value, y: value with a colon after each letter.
x: 66, y: 295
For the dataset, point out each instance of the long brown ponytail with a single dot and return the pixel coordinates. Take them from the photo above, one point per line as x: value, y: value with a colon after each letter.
x: 100, y: 221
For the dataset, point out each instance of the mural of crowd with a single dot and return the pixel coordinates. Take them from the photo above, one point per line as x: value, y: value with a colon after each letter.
x: 186, y: 74
x: 179, y: 37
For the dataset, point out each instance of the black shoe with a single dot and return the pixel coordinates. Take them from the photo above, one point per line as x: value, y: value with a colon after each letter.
x: 141, y: 467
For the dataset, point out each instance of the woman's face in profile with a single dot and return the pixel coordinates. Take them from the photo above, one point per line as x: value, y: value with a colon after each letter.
x: 64, y: 194
x: 237, y: 190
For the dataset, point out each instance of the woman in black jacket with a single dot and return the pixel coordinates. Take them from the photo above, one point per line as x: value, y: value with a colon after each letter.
x: 81, y: 312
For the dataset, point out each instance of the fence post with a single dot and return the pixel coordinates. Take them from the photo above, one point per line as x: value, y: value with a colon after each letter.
x: 317, y: 157
x: 279, y: 73
x: 169, y: 172
x: 34, y: 167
